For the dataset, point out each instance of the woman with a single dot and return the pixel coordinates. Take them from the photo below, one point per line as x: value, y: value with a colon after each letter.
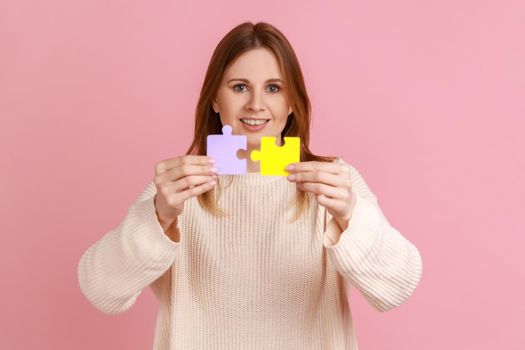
x: 252, y: 261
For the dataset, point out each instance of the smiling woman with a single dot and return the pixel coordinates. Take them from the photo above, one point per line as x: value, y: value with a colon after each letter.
x: 258, y: 106
x: 251, y: 261
x: 254, y: 83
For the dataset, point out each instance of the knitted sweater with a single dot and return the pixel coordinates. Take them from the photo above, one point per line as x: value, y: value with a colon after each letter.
x: 252, y: 280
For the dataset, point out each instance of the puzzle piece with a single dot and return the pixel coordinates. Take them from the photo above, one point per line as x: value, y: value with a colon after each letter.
x: 223, y: 148
x: 273, y: 158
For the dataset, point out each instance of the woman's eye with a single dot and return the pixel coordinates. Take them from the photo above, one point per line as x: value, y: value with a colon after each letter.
x: 272, y: 88
x: 275, y: 86
x: 235, y: 87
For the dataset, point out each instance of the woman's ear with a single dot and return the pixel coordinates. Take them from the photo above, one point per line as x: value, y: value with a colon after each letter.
x: 215, y: 105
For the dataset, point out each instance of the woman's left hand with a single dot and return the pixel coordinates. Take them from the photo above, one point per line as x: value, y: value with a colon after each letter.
x: 330, y: 182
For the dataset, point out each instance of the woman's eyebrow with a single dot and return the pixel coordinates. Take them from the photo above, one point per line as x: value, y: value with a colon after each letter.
x: 247, y: 81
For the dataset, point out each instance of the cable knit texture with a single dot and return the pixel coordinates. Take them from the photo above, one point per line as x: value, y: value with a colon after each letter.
x: 252, y: 280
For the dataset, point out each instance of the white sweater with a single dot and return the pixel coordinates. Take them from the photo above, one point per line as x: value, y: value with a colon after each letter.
x: 252, y: 280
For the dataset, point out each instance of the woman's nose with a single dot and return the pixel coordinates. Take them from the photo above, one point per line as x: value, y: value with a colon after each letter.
x: 255, y: 101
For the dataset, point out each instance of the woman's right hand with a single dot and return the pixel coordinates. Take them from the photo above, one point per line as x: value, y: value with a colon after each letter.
x: 178, y: 179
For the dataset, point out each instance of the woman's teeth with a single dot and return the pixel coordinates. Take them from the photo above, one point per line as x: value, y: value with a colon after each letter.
x: 254, y: 121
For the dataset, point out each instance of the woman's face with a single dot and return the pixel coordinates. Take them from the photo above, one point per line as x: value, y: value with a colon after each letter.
x: 252, y: 92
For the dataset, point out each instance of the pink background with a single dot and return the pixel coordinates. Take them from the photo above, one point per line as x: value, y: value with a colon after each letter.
x: 425, y: 98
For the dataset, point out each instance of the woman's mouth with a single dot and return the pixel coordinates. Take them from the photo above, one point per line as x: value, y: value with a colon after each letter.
x: 254, y: 124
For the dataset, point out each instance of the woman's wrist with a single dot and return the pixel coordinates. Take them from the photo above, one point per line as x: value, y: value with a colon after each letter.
x: 171, y: 230
x: 167, y: 225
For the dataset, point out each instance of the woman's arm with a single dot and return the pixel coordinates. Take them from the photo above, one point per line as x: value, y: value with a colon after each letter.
x: 371, y: 254
x: 114, y: 270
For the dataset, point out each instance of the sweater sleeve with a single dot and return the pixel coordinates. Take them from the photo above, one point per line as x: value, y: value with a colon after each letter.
x: 371, y: 254
x: 114, y: 270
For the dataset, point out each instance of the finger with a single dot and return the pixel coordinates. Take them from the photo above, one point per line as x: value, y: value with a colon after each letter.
x: 171, y: 163
x: 331, y: 203
x: 325, y: 201
x: 190, y: 181
x: 194, y: 191
x: 329, y: 191
x: 330, y: 167
x: 184, y: 170
x: 322, y: 177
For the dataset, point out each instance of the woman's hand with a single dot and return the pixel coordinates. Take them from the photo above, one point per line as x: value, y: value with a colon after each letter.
x: 178, y: 179
x: 331, y: 184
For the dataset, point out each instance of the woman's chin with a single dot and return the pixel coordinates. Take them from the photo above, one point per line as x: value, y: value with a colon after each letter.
x: 254, y: 144
x: 254, y: 141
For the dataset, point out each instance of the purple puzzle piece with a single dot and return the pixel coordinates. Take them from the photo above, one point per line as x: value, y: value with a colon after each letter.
x: 223, y: 148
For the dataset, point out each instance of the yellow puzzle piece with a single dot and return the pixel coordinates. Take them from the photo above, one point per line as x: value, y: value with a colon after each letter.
x: 273, y: 158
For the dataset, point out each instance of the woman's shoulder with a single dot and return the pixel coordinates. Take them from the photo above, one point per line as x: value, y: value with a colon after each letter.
x: 331, y: 159
x: 355, y: 174
x: 343, y: 163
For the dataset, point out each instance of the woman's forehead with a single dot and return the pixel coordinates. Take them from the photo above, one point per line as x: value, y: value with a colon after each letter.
x: 254, y: 65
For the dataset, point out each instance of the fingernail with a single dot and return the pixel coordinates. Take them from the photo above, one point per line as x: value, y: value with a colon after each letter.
x: 291, y: 177
x: 213, y: 182
x: 214, y: 169
x: 289, y: 167
x: 211, y: 160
